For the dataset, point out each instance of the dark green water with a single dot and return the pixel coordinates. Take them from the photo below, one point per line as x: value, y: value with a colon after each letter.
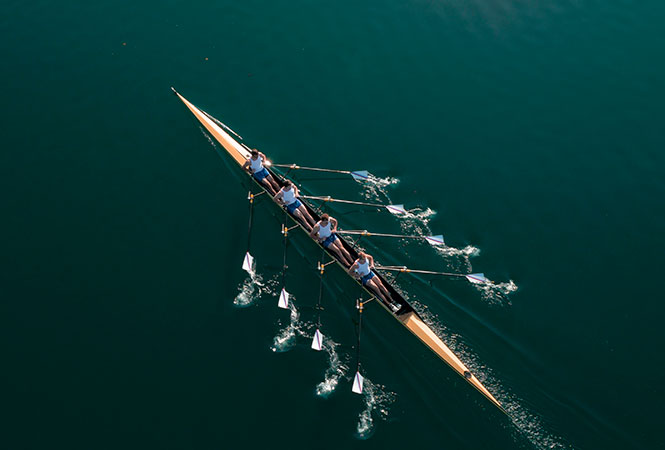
x: 534, y: 130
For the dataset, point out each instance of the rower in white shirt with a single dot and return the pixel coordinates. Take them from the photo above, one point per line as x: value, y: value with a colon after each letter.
x: 362, y: 269
x: 325, y: 232
x: 287, y: 196
x: 255, y: 165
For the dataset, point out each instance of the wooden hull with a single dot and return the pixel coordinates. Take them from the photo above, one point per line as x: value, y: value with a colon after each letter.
x: 406, y: 315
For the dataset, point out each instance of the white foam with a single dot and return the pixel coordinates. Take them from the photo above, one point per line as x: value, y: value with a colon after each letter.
x: 496, y: 293
x: 335, y: 371
x: 250, y: 290
x: 285, y: 339
x: 377, y: 400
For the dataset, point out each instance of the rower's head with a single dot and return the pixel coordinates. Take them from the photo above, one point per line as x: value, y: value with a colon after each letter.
x: 255, y: 153
x: 325, y: 218
x: 288, y: 185
x: 362, y: 256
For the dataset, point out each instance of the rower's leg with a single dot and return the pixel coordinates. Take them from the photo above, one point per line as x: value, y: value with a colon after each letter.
x: 302, y: 220
x: 375, y: 288
x: 273, y: 183
x: 269, y: 186
x: 379, y: 283
x: 309, y: 218
x: 345, y: 252
x: 341, y: 251
x: 337, y: 252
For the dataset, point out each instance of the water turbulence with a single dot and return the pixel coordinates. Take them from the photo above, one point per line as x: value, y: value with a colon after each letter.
x: 335, y: 371
x: 286, y: 337
x: 523, y: 423
x: 497, y: 293
x: 377, y: 401
x: 250, y: 290
x: 375, y: 188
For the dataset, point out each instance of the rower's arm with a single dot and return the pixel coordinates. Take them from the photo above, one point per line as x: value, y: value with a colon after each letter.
x: 315, y: 230
x: 353, y: 268
x: 278, y: 196
x: 295, y: 190
x: 334, y: 224
x: 246, y: 165
x: 370, y: 258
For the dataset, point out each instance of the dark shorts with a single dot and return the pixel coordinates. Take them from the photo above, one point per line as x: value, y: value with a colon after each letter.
x: 367, y: 277
x: 293, y: 206
x: 261, y: 174
x: 329, y: 240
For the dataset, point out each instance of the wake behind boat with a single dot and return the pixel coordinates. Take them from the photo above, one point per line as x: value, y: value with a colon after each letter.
x: 397, y: 307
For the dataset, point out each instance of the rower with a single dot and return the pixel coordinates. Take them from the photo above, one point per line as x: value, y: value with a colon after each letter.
x: 255, y: 165
x: 287, y: 196
x: 325, y: 231
x: 362, y: 268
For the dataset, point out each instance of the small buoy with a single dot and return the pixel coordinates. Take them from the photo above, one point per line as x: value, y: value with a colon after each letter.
x: 124, y: 43
x: 206, y: 58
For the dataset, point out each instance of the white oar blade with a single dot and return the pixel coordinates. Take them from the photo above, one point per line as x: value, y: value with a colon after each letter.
x: 283, y: 299
x: 358, y: 383
x: 396, y: 209
x: 317, y: 342
x: 435, y: 240
x: 360, y: 175
x: 477, y: 278
x: 248, y: 263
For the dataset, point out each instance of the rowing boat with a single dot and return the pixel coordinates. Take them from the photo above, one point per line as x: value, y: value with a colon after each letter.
x: 405, y: 314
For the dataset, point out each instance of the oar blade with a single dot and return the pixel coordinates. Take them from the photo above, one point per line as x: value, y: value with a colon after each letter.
x: 248, y: 263
x: 477, y: 278
x: 360, y: 175
x: 435, y: 240
x: 283, y: 299
x: 317, y: 342
x: 396, y: 209
x: 358, y: 383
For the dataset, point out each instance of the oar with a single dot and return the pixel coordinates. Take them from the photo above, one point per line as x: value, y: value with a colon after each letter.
x: 248, y: 261
x: 317, y: 341
x: 394, y: 209
x: 358, y: 379
x: 358, y: 175
x: 433, y: 240
x: 476, y: 278
x: 284, y: 295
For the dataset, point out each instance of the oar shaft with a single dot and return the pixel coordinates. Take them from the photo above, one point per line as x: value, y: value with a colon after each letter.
x: 337, y: 200
x: 427, y: 272
x: 314, y: 169
x: 369, y: 233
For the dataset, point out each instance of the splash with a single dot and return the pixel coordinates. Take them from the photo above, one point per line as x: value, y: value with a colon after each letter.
x: 416, y: 221
x: 335, y: 371
x: 250, y: 290
x: 286, y: 338
x: 375, y: 188
x: 497, y: 293
x: 377, y: 401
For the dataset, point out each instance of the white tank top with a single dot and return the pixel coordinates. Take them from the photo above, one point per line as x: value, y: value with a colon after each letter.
x: 256, y: 164
x: 363, y: 268
x: 324, y: 232
x: 289, y: 196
